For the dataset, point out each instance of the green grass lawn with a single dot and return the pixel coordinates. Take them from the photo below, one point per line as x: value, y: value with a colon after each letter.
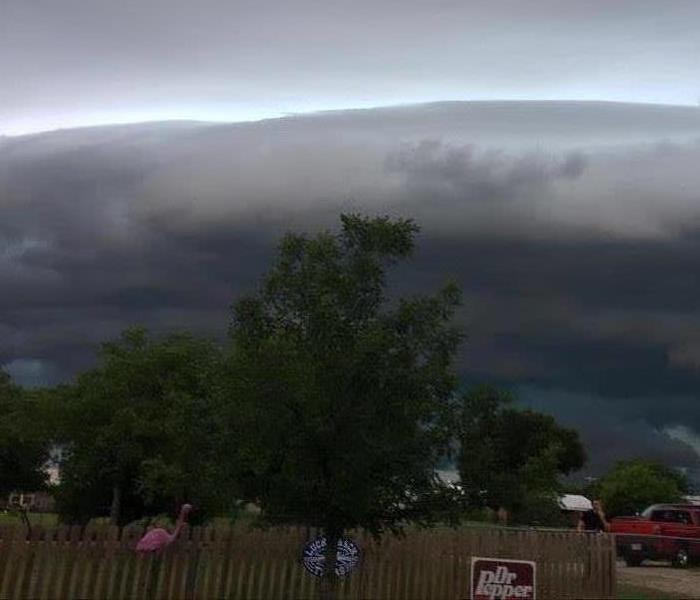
x: 8, y: 519
x: 634, y: 592
x: 13, y: 518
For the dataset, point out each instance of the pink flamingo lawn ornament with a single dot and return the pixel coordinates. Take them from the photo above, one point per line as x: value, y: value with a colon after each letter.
x: 156, y: 540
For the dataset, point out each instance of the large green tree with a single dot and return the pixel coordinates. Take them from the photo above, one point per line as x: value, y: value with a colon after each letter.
x: 23, y: 448
x: 511, y: 458
x: 337, y: 394
x: 142, y: 430
x: 631, y: 486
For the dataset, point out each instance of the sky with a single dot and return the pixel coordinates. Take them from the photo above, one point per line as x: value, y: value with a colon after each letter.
x: 86, y: 62
x: 548, y: 150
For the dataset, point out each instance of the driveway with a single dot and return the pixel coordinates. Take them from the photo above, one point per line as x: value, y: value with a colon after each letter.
x: 684, y: 583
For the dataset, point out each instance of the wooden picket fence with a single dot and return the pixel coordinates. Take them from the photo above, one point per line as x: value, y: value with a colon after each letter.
x: 253, y: 564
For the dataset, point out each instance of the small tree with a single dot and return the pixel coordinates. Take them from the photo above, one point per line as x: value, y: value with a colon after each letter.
x: 336, y: 393
x: 510, y: 458
x: 631, y: 486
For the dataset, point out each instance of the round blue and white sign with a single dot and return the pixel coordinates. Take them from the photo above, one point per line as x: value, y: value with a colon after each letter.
x: 314, y: 557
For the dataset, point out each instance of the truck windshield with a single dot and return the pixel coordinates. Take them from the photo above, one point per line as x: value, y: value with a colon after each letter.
x: 669, y: 516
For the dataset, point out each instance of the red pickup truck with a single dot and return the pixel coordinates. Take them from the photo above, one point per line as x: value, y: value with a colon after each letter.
x: 661, y: 532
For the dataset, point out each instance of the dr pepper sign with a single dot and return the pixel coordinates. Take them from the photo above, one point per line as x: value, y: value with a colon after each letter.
x: 497, y: 579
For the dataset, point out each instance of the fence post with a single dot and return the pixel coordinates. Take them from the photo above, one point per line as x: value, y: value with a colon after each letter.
x: 193, y: 564
x: 612, y: 564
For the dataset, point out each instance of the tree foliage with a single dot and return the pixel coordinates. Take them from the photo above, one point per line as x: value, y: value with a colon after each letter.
x: 336, y: 393
x: 508, y: 457
x: 142, y: 430
x: 631, y: 486
x: 23, y: 450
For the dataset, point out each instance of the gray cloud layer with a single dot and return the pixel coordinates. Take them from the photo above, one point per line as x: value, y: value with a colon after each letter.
x: 75, y: 62
x: 572, y: 228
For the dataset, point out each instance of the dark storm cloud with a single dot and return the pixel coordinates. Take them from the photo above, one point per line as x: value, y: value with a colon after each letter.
x: 612, y: 430
x: 77, y: 62
x: 576, y: 243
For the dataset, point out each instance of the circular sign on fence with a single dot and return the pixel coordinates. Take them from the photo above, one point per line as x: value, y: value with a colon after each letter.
x: 314, y: 556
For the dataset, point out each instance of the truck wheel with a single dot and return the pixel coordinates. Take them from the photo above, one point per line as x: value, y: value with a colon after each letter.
x: 633, y: 560
x: 681, y: 560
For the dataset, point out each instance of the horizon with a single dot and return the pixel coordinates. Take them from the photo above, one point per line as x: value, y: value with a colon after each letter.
x: 323, y: 111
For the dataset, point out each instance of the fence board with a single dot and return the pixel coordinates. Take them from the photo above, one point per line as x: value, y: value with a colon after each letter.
x: 14, y: 564
x: 178, y: 559
x: 5, y: 543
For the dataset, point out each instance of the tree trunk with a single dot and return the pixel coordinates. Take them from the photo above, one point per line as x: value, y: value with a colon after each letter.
x: 25, y: 518
x: 115, y: 509
x: 329, y: 581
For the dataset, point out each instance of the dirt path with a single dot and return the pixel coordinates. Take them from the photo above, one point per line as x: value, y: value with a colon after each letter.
x: 684, y: 583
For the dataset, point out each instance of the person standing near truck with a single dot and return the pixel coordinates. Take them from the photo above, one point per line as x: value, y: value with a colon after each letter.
x: 593, y: 520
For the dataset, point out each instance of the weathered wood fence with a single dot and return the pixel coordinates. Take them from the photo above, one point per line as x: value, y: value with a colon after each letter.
x: 219, y: 563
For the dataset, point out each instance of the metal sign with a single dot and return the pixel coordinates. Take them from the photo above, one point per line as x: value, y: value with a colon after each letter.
x: 314, y: 556
x: 499, y: 579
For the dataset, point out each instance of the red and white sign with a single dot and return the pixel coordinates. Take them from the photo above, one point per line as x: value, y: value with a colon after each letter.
x: 499, y: 579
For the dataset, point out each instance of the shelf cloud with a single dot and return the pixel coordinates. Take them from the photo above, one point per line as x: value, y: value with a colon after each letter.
x: 573, y: 229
